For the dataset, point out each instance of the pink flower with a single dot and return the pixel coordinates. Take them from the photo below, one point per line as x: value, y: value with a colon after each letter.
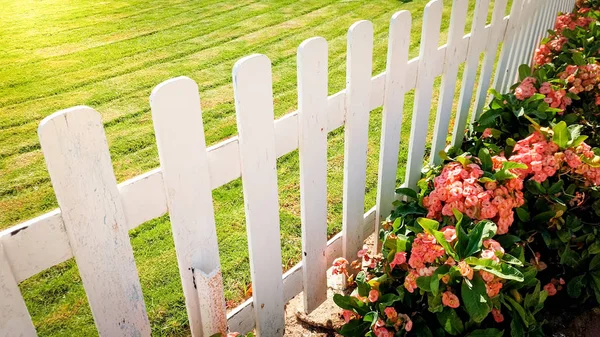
x: 526, y: 88
x: 550, y: 289
x: 391, y: 313
x: 399, y: 258
x: 487, y: 133
x: 487, y: 277
x: 348, y: 315
x: 339, y: 266
x: 450, y: 300
x: 409, y: 324
x: 465, y: 270
x: 362, y: 253
x: 373, y: 295
x: 233, y: 334
x: 498, y: 317
x: 449, y: 233
x: 383, y: 332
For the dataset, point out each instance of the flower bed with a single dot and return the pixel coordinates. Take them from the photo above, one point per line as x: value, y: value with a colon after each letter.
x: 507, y: 227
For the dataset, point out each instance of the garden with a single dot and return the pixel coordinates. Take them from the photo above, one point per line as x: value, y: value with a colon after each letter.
x: 503, y: 237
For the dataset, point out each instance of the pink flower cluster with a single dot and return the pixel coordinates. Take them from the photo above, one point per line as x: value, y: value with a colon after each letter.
x: 573, y: 160
x: 556, y: 96
x: 493, y: 284
x: 571, y: 21
x: 545, y: 53
x: 424, y: 250
x: 583, y: 79
x: 538, y: 154
x: 410, y: 281
x: 394, y: 321
x: 457, y: 187
x: 526, y: 88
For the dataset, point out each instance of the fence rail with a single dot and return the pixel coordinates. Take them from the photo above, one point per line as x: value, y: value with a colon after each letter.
x: 95, y: 213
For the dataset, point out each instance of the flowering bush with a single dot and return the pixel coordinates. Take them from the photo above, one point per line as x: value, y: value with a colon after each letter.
x: 511, y: 219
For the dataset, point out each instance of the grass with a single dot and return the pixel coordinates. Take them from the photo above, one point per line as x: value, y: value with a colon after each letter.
x: 109, y: 55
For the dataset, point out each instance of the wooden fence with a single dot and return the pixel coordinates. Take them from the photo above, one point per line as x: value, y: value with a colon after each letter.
x: 96, y: 214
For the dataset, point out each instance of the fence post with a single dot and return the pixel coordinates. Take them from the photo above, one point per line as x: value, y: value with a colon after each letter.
x: 476, y: 45
x: 14, y: 317
x: 252, y: 85
x: 496, y: 27
x: 430, y: 38
x: 76, y: 153
x: 393, y: 106
x: 312, y: 128
x: 508, y: 45
x: 179, y: 132
x: 359, y: 65
x: 458, y: 18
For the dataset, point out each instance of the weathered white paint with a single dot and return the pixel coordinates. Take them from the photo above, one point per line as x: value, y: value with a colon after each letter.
x: 489, y: 58
x: 14, y: 317
x: 432, y: 18
x: 312, y: 129
x: 476, y: 45
x: 393, y: 105
x: 356, y: 133
x: 179, y: 133
x: 253, y: 93
x: 509, y: 39
x: 458, y: 19
x: 212, y: 301
x: 77, y: 157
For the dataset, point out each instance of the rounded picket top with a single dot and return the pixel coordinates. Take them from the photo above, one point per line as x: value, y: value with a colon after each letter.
x: 168, y: 91
x: 77, y: 112
x: 314, y: 44
x: 361, y: 30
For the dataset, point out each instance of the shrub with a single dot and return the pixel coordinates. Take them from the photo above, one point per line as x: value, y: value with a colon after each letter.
x: 510, y: 221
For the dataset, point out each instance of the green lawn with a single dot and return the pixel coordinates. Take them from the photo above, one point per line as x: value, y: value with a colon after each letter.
x: 109, y: 55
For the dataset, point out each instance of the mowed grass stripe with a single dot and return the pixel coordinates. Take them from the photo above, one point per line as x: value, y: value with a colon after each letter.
x: 160, y: 41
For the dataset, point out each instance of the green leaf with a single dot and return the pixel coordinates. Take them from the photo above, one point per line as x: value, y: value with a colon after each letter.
x: 424, y: 283
x: 577, y: 141
x: 516, y: 328
x: 509, y: 165
x: 387, y: 300
x: 575, y: 286
x: 428, y: 224
x: 561, y: 134
x: 522, y: 214
x: 363, y: 285
x: 595, y: 263
x: 524, y: 71
x: 486, y: 333
x: 475, y: 299
x: 483, y: 230
x: 355, y: 328
x: 486, y: 159
x: 409, y: 192
x: 434, y: 302
x: 437, y: 276
x: 512, y: 260
x: 519, y: 309
x: 351, y: 303
x: 556, y: 187
x: 450, y: 321
x: 501, y: 270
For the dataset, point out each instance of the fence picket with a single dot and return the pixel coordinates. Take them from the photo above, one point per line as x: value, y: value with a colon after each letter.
x: 503, y: 69
x: 476, y: 45
x: 77, y: 157
x: 458, y: 19
x: 14, y: 317
x: 253, y: 93
x: 430, y: 38
x: 393, y: 106
x: 496, y: 27
x: 179, y: 132
x: 359, y: 66
x: 312, y: 127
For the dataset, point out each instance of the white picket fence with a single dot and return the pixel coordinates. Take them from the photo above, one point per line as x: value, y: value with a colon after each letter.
x: 95, y: 213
